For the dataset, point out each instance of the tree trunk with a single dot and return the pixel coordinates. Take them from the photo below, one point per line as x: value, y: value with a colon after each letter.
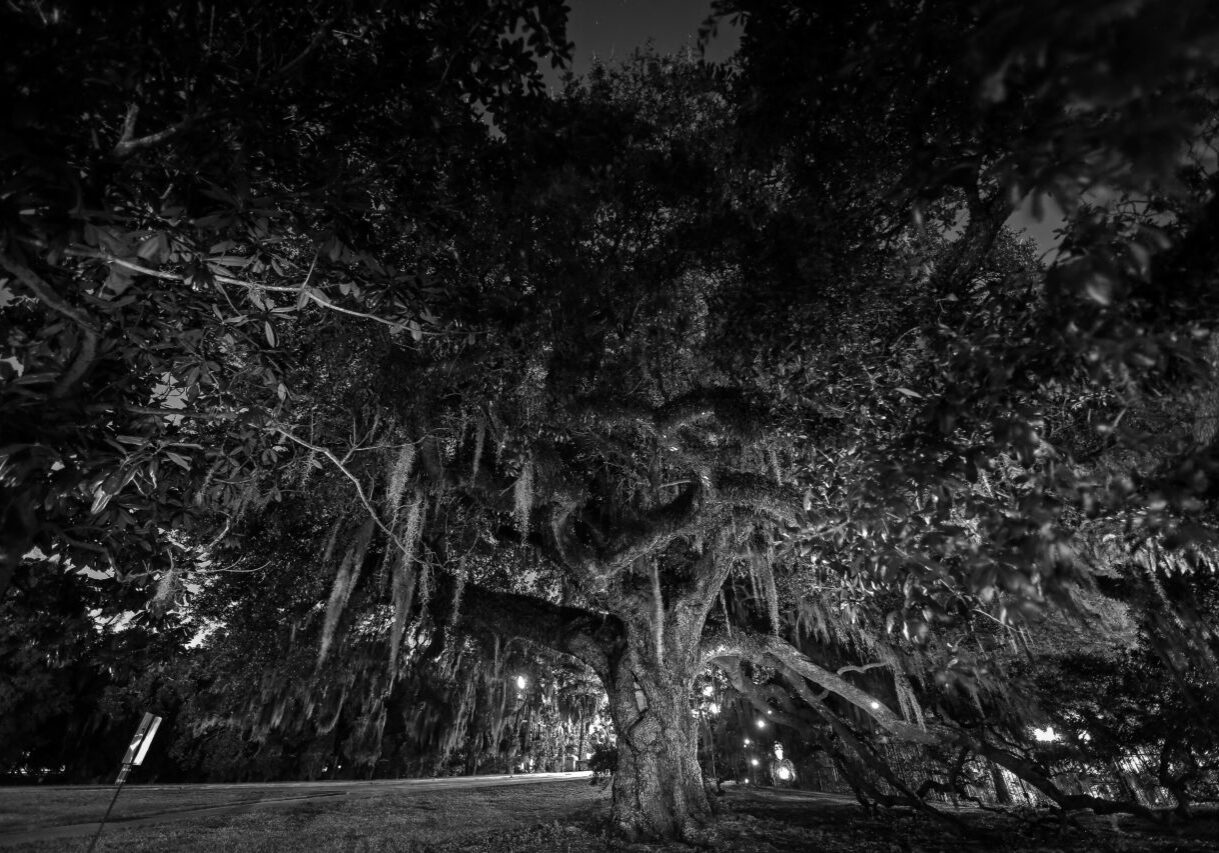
x: 658, y: 788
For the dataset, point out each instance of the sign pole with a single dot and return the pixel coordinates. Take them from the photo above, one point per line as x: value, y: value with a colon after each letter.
x: 117, y: 790
x: 138, y: 748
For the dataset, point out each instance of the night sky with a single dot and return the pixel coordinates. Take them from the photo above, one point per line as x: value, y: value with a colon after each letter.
x: 611, y: 29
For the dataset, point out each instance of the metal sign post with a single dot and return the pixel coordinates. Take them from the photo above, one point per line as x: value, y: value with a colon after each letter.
x: 140, y: 742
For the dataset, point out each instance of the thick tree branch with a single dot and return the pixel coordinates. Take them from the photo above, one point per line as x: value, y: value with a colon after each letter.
x: 695, y: 509
x: 587, y: 636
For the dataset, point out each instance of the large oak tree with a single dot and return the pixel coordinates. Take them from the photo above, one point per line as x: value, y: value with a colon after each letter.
x: 636, y: 374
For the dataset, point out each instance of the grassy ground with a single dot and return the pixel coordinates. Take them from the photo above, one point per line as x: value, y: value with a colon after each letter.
x: 391, y: 820
x: 30, y: 808
x: 569, y: 817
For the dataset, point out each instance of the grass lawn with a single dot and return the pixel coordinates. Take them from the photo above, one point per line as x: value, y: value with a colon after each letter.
x: 30, y: 808
x: 569, y: 817
x: 363, y: 822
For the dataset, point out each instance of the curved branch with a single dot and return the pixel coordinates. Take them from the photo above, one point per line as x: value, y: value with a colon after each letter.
x: 728, y: 406
x: 128, y: 144
x: 843, y: 670
x: 757, y: 494
x: 87, y: 352
x: 678, y: 517
x: 291, y: 65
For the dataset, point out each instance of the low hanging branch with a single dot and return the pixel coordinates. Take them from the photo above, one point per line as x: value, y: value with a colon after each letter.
x: 772, y: 650
x: 312, y: 294
x: 780, y: 709
x: 724, y: 652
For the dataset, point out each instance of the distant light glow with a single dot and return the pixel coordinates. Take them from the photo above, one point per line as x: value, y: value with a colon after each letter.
x: 754, y: 762
x: 761, y: 724
x: 747, y: 741
x: 1046, y: 735
x: 708, y: 690
x: 714, y: 708
x: 770, y: 712
x: 784, y: 774
x: 521, y: 682
x: 875, y: 705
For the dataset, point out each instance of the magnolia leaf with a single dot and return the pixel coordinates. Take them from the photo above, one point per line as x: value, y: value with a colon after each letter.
x: 155, y: 248
x: 1100, y: 289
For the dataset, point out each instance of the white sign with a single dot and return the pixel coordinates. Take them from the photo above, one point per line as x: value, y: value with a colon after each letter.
x: 142, y: 740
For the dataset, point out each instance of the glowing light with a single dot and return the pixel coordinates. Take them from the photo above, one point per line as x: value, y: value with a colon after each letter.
x: 588, y: 756
x: 761, y: 724
x: 754, y: 762
x: 714, y: 708
x: 770, y: 712
x: 521, y: 682
x: 1047, y: 734
x: 784, y: 774
x: 747, y: 741
x: 708, y: 690
x: 875, y: 705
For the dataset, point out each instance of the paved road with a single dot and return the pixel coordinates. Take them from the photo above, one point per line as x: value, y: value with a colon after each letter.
x: 305, y: 792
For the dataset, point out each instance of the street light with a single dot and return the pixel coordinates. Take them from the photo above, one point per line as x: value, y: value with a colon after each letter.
x: 521, y: 682
x: 761, y: 724
x: 754, y: 762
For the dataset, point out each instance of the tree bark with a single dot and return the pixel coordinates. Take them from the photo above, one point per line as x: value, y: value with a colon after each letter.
x: 1003, y: 796
x: 658, y: 790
